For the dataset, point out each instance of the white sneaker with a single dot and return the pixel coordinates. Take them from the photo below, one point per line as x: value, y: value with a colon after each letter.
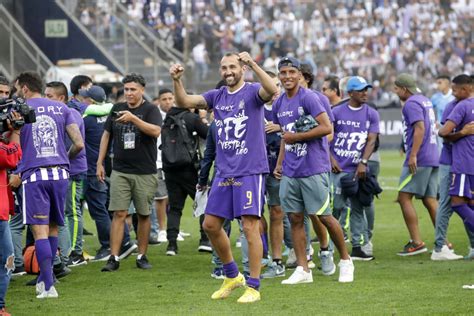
x: 368, y: 248
x: 162, y: 236
x: 346, y: 271
x: 299, y: 276
x: 184, y: 234
x: 39, y: 287
x: 180, y: 237
x: 444, y: 254
x: 51, y: 293
x: 291, y: 260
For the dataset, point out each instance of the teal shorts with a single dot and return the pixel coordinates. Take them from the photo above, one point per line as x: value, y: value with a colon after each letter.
x: 424, y: 183
x: 309, y: 194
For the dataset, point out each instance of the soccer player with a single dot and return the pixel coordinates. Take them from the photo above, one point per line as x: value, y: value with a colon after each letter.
x: 462, y: 181
x: 356, y: 126
x: 325, y: 254
x: 241, y: 162
x: 303, y: 166
x: 419, y: 176
x: 461, y: 90
x: 45, y: 171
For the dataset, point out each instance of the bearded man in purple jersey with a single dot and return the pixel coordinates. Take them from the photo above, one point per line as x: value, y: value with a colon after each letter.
x: 241, y: 162
x: 419, y: 176
x: 45, y: 172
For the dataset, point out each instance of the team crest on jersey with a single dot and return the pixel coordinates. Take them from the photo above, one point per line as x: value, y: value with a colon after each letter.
x: 45, y: 137
x: 241, y: 104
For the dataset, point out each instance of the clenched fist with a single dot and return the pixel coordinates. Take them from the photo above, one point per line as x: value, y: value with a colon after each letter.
x: 176, y: 71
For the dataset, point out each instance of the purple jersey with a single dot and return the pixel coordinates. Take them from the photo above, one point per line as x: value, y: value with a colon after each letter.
x: 240, y: 131
x: 419, y: 108
x: 463, y: 149
x: 351, y: 129
x: 43, y: 141
x: 78, y: 164
x: 326, y: 104
x: 307, y: 158
x: 446, y: 152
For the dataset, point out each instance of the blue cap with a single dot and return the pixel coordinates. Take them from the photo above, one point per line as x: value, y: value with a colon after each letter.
x: 289, y: 62
x: 357, y: 84
x: 96, y: 93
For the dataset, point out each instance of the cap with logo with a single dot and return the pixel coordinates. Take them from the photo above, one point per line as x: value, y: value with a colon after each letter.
x: 289, y: 62
x: 357, y: 83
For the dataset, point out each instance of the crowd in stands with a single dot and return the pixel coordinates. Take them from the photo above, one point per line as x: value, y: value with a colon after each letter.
x: 374, y: 39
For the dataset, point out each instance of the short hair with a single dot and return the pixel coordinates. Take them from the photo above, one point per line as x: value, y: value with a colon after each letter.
x: 333, y: 84
x: 463, y: 79
x: 77, y: 82
x: 445, y: 77
x: 60, y: 88
x: 163, y: 91
x: 4, y: 81
x: 307, y: 72
x: 270, y: 73
x: 31, y: 80
x: 134, y: 77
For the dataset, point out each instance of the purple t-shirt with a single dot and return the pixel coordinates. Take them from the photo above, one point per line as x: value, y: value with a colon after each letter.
x: 351, y: 129
x: 326, y: 104
x: 446, y: 152
x: 240, y: 131
x: 42, y: 142
x: 77, y: 165
x: 419, y: 108
x: 307, y: 158
x: 463, y: 149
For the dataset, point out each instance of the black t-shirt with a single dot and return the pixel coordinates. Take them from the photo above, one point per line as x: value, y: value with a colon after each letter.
x: 140, y: 156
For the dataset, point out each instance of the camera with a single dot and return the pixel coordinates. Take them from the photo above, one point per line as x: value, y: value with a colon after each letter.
x: 7, y: 106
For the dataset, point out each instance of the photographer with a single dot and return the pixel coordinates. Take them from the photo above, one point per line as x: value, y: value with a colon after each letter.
x: 10, y: 154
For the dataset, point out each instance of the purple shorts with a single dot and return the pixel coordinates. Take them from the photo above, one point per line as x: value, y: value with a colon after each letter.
x: 233, y: 197
x: 43, y: 202
x: 462, y: 185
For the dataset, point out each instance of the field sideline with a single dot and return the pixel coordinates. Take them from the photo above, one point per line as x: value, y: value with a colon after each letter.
x: 182, y: 285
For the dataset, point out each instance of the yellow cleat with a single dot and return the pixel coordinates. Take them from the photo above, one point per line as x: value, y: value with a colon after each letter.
x: 227, y: 287
x: 250, y: 296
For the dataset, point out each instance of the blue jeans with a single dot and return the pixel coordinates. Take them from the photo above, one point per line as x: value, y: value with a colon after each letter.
x: 7, y: 264
x: 95, y: 193
x: 444, y: 211
x: 287, y: 232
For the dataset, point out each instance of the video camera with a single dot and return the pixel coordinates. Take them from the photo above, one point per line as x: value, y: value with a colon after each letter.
x: 7, y: 106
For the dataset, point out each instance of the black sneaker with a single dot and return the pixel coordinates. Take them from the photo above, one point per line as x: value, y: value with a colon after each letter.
x: 60, y: 270
x: 111, y: 265
x: 127, y: 250
x: 20, y: 270
x: 102, y: 254
x: 359, y: 254
x: 76, y: 259
x: 85, y: 232
x: 143, y: 263
x: 172, y: 249
x: 205, y: 246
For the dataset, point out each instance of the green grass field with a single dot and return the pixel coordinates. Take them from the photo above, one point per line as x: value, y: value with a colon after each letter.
x: 389, y: 285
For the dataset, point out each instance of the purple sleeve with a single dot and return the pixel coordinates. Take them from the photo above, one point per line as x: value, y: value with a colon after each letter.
x: 255, y: 89
x: 312, y: 104
x: 413, y: 112
x: 449, y: 108
x: 457, y: 115
x: 374, y: 120
x: 69, y: 116
x: 210, y: 96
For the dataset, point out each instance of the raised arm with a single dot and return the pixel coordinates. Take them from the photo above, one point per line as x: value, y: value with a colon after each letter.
x: 447, y: 131
x: 268, y: 88
x: 184, y: 100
